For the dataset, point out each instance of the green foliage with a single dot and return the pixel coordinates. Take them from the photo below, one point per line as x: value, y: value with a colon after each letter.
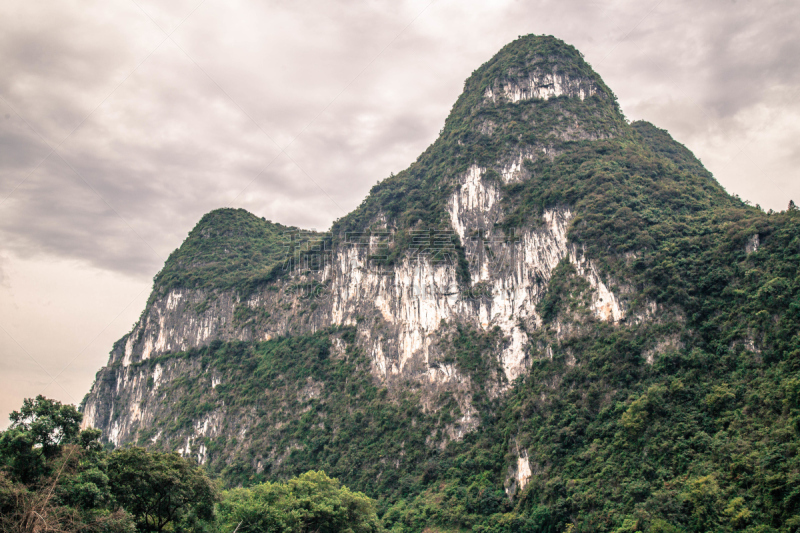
x: 310, y: 408
x: 474, y: 353
x: 564, y: 292
x: 161, y: 490
x: 231, y: 249
x: 48, y: 422
x: 53, y: 476
x: 310, y: 502
x: 618, y: 442
x: 626, y: 198
x: 86, y: 489
x: 662, y: 143
x: 37, y: 433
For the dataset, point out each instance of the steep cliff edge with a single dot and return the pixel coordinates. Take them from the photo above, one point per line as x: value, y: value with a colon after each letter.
x: 540, y: 300
x: 403, y: 263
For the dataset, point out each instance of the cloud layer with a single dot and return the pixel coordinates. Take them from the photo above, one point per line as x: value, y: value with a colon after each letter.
x: 122, y: 122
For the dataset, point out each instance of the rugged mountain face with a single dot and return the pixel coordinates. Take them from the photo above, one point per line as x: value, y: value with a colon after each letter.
x: 519, y: 301
x: 460, y: 269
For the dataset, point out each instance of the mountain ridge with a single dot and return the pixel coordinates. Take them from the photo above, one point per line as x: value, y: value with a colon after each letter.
x: 551, y: 317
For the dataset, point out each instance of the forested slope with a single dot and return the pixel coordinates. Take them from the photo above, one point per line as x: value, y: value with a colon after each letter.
x: 553, y: 320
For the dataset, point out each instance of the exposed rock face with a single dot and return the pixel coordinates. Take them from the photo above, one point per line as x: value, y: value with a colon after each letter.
x: 518, y: 475
x: 752, y: 244
x: 397, y: 311
x: 400, y: 311
x: 519, y: 86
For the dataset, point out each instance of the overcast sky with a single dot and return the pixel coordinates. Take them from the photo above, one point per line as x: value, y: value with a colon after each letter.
x: 123, y: 121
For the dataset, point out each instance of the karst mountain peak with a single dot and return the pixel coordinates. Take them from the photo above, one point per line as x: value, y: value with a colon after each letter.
x: 522, y: 313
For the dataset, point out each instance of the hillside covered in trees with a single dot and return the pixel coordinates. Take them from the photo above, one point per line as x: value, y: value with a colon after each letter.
x: 553, y: 320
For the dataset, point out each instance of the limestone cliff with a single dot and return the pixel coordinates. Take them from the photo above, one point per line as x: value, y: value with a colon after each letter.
x: 442, y: 247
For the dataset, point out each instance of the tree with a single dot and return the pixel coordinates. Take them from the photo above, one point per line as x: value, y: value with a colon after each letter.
x: 261, y: 508
x: 73, y: 498
x: 702, y: 498
x: 312, y: 502
x: 161, y: 489
x: 49, y: 422
x: 321, y: 504
x: 52, y: 475
x: 37, y: 434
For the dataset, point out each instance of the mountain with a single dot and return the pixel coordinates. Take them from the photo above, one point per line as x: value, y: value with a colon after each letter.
x: 553, y: 319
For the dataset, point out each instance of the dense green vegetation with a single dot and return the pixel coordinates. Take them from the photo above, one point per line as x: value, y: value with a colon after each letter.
x: 566, y: 295
x: 304, y: 407
x: 231, y: 249
x: 310, y: 502
x: 698, y: 440
x: 698, y: 434
x: 162, y: 491
x: 54, y: 477
x: 662, y: 143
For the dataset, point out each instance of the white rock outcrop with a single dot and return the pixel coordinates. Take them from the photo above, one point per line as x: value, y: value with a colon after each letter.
x: 398, y: 311
x: 539, y: 85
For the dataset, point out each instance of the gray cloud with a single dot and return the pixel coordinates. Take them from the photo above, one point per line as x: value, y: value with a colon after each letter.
x: 351, y: 91
x: 155, y: 133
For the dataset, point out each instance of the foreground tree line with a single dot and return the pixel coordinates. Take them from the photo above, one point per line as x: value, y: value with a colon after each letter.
x: 56, y: 477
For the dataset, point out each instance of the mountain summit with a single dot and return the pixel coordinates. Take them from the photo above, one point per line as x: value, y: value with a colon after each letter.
x: 552, y: 319
x: 528, y: 102
x: 533, y: 68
